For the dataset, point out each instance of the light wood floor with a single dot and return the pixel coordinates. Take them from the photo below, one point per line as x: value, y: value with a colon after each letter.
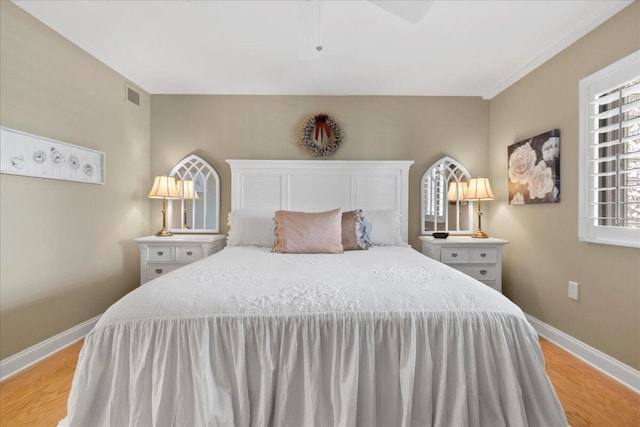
x: 37, y: 396
x: 589, y: 397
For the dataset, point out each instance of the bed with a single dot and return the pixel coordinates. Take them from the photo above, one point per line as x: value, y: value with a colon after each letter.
x: 378, y: 337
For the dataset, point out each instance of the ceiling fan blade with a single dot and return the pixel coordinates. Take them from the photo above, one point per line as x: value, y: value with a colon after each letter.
x: 411, y: 11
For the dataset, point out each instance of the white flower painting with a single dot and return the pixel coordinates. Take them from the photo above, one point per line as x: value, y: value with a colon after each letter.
x: 25, y: 154
x: 534, y: 169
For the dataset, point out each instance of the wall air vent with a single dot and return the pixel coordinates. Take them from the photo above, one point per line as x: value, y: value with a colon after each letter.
x: 133, y: 96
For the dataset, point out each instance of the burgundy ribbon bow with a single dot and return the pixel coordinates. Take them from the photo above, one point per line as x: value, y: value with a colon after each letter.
x: 321, y: 125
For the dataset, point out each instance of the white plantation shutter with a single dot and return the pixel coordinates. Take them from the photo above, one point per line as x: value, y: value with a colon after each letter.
x: 610, y: 154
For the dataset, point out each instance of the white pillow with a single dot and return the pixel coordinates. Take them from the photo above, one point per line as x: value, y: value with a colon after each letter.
x: 251, y: 228
x: 386, y: 229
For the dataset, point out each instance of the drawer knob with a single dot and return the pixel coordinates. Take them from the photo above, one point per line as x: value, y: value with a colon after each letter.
x: 483, y: 272
x: 160, y: 253
x: 483, y: 255
x: 189, y: 253
x: 158, y: 270
x: 454, y: 255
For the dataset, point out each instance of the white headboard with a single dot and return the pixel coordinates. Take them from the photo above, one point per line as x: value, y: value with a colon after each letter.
x: 320, y: 185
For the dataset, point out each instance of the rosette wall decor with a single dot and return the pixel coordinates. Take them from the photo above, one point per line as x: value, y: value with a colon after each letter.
x: 25, y: 154
x: 321, y: 135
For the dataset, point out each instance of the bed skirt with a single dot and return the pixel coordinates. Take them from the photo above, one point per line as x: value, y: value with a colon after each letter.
x: 365, y: 369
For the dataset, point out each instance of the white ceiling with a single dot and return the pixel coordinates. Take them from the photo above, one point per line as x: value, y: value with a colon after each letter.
x: 459, y: 48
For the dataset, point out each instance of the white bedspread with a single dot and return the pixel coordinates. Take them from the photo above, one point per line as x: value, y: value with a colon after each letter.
x: 385, y: 337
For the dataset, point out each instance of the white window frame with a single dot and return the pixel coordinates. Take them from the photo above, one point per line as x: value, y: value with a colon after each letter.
x: 598, y: 83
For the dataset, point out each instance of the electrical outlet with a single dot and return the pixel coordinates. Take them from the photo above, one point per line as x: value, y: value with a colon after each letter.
x: 573, y: 291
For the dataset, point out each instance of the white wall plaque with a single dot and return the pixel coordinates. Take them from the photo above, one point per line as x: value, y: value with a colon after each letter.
x: 30, y: 155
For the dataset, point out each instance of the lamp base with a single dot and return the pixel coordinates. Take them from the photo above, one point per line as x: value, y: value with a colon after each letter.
x: 480, y: 235
x: 164, y: 233
x: 185, y: 226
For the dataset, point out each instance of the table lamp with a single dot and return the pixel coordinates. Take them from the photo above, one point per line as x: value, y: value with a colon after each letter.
x: 457, y: 191
x: 185, y: 188
x: 164, y: 187
x: 479, y: 189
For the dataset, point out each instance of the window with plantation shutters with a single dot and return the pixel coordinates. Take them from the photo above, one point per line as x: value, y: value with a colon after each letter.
x: 610, y: 154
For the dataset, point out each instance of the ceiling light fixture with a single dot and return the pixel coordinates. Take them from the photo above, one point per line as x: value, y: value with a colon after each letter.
x: 310, y: 29
x: 319, y: 45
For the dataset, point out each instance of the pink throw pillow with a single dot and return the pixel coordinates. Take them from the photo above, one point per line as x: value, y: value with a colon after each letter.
x: 308, y: 233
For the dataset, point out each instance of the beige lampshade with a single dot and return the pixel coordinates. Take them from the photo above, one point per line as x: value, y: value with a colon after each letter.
x: 479, y: 189
x: 462, y: 189
x: 164, y: 187
x: 189, y: 192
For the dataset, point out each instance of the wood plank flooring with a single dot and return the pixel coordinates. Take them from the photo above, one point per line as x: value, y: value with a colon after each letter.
x: 37, y: 396
x: 589, y: 397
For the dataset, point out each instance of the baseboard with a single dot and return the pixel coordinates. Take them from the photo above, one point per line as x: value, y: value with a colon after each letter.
x: 624, y: 374
x: 21, y: 361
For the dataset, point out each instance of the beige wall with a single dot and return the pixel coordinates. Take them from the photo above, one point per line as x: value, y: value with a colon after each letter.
x: 545, y: 252
x: 66, y: 250
x: 422, y: 129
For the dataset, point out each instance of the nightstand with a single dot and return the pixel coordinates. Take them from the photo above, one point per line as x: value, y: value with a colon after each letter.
x: 160, y: 255
x: 478, y: 258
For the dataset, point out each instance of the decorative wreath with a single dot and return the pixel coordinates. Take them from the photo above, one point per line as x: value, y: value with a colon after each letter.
x: 321, y: 135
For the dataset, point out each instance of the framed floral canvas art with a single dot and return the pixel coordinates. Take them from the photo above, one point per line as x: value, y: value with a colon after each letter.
x: 534, y: 169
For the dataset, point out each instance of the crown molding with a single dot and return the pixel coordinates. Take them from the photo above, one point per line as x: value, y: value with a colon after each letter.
x: 603, y: 12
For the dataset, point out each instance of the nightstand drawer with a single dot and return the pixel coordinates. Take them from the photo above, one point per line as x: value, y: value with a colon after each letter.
x: 454, y: 256
x: 483, y: 256
x: 479, y: 272
x: 491, y: 284
x: 158, y: 269
x: 159, y: 253
x: 478, y: 258
x: 188, y: 253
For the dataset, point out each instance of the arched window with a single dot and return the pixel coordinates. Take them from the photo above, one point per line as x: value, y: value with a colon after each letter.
x: 198, y: 210
x: 442, y: 191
